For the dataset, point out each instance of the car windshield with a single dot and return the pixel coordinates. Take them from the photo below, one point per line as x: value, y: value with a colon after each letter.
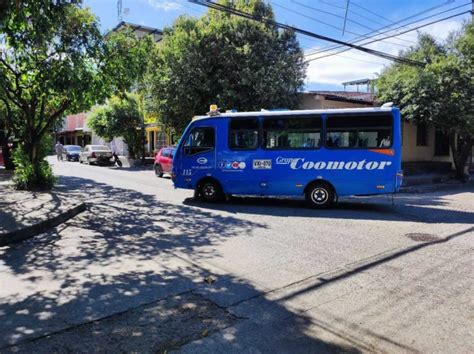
x: 99, y: 148
x: 73, y: 148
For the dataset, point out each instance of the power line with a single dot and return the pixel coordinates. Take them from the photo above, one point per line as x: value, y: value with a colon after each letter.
x: 325, y: 23
x: 397, y: 28
x: 410, y: 30
x: 341, y: 17
x: 371, y: 35
x: 352, y: 12
x: 273, y: 23
x: 378, y: 15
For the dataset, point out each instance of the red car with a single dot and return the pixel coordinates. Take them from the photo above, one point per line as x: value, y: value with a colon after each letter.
x: 164, y: 161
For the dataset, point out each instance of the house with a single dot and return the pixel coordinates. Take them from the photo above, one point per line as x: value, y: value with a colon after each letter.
x: 74, y: 130
x: 424, y: 148
x: 336, y: 99
x: 139, y: 30
x: 156, y: 138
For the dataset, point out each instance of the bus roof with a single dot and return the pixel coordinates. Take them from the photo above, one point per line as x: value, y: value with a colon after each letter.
x: 296, y: 112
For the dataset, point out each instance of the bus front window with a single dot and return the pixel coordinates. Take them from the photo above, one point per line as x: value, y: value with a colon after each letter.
x: 200, y: 140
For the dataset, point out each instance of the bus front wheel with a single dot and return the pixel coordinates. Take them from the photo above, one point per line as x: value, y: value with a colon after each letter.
x: 210, y: 191
x: 320, y: 195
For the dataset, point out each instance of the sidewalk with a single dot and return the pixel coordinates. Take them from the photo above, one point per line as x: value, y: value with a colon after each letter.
x: 25, y: 214
x: 427, y: 184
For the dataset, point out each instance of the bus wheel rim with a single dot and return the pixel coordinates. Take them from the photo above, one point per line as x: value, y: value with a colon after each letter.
x: 209, y: 191
x: 319, y: 195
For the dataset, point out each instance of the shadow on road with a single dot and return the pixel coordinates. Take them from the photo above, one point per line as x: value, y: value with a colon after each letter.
x: 426, y: 208
x: 122, y: 254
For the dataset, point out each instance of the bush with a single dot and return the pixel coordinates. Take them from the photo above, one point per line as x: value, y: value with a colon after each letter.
x: 29, y: 176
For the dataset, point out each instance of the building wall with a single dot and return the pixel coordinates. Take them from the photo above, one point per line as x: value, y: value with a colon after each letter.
x: 410, y: 150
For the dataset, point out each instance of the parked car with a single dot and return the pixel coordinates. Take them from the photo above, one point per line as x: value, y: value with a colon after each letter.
x: 164, y: 160
x: 71, y: 152
x: 98, y: 154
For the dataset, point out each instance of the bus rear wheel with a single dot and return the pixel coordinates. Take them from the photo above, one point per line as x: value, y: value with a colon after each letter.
x: 210, y: 191
x: 320, y: 195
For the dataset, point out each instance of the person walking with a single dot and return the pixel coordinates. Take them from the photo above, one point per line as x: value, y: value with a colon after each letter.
x: 59, y: 150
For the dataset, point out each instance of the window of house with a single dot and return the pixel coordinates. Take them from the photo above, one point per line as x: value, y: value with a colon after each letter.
x: 292, y: 132
x: 359, y: 131
x: 441, y: 143
x: 421, y: 134
x: 243, y: 134
x: 200, y: 140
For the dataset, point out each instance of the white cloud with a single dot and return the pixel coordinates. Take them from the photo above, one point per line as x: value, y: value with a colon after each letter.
x: 353, y: 64
x: 165, y: 5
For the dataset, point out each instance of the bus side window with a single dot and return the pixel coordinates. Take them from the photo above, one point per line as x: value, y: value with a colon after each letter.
x: 200, y: 140
x: 292, y: 132
x: 243, y: 133
x: 359, y: 131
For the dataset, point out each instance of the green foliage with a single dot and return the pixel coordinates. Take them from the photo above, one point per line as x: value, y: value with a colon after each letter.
x: 128, y: 59
x: 121, y: 116
x: 29, y: 176
x: 226, y: 60
x: 441, y: 93
x: 51, y: 63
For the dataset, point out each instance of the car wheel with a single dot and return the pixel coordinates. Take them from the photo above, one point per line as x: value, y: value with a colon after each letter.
x: 210, y: 191
x: 320, y: 195
x: 158, y: 170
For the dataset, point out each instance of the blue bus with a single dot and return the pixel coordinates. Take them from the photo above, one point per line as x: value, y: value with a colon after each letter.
x: 319, y: 154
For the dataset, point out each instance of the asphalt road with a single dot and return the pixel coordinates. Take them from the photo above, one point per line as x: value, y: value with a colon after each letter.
x: 251, y: 275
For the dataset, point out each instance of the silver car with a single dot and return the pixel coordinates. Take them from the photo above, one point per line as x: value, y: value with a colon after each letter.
x: 96, y: 154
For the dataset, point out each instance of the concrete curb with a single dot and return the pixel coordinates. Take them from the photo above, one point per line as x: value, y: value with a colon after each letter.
x: 40, y: 227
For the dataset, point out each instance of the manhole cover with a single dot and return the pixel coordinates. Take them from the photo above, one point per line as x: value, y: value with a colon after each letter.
x: 420, y: 237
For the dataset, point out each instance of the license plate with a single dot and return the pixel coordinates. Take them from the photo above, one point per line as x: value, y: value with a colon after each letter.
x: 262, y: 164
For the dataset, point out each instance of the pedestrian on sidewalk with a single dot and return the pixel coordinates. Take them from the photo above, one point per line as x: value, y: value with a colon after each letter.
x: 59, y: 150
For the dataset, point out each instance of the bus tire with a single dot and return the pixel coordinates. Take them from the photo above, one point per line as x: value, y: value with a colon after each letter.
x: 210, y: 190
x: 320, y: 195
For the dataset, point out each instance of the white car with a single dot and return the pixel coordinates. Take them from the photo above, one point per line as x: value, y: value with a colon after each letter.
x: 98, y: 154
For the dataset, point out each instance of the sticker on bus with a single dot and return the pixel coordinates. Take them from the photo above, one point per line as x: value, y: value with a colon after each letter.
x: 262, y: 164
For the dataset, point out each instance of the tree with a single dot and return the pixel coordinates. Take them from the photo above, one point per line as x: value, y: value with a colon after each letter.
x: 441, y: 93
x: 5, y: 139
x: 129, y: 59
x: 121, y: 116
x: 50, y: 64
x: 227, y: 60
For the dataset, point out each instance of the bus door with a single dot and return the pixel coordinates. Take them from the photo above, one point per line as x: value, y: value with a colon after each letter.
x: 288, y: 142
x: 236, y: 155
x: 198, y: 153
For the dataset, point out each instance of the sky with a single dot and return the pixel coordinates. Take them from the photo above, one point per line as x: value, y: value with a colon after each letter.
x: 374, y: 18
